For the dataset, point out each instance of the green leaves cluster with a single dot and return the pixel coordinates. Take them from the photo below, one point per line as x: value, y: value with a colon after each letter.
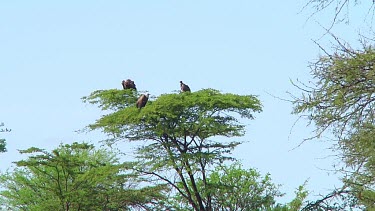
x: 205, y: 110
x: 232, y: 188
x: 359, y: 154
x: 235, y: 188
x: 3, y: 145
x: 342, y: 99
x: 73, y: 177
x: 112, y: 99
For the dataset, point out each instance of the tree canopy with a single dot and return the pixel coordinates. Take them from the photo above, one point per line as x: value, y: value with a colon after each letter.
x: 179, y: 132
x: 341, y: 100
x: 342, y: 95
x: 233, y: 188
x: 74, y: 177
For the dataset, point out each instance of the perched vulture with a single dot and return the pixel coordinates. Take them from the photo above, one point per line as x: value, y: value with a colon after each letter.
x: 128, y: 84
x: 142, y: 100
x: 184, y: 87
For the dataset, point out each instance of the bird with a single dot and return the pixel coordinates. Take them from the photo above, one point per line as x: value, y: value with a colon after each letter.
x: 128, y: 84
x: 142, y: 100
x: 184, y: 87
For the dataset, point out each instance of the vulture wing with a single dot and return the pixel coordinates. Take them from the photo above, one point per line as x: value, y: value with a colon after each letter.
x: 184, y: 87
x: 141, y: 102
x: 123, y: 83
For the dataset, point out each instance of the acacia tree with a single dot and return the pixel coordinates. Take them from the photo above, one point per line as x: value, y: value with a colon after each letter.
x: 74, y: 177
x: 179, y: 133
x: 342, y: 101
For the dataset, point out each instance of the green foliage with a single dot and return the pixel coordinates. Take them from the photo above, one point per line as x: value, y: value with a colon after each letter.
x: 359, y: 148
x: 3, y: 145
x: 204, y: 110
x: 178, y: 129
x: 343, y: 100
x: 297, y: 202
x: 233, y: 188
x: 73, y: 177
x: 343, y: 96
x: 112, y: 99
x: 359, y: 154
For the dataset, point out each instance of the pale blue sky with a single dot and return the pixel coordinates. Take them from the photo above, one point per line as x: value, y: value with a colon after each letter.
x: 52, y: 54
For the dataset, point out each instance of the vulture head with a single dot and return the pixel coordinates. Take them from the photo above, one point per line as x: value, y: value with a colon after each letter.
x: 184, y: 87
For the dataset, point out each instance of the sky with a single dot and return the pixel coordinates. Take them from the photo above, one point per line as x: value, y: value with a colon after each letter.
x: 52, y: 53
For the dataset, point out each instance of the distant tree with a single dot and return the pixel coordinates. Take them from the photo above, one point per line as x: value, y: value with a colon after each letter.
x: 341, y: 100
x: 179, y: 134
x: 232, y: 188
x: 2, y: 141
x: 74, y: 177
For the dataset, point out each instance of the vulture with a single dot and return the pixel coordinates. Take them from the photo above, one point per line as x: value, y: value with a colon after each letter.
x: 142, y: 100
x: 128, y: 84
x: 184, y: 87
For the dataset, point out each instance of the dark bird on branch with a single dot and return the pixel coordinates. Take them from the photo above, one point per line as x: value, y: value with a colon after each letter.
x: 142, y: 100
x: 128, y: 84
x: 184, y: 87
